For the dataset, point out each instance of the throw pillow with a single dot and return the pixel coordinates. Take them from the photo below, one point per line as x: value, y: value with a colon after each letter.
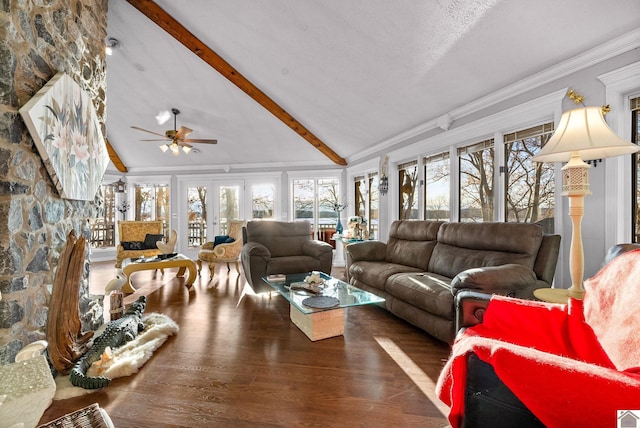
x: 220, y: 239
x: 229, y: 240
x: 132, y: 245
x: 151, y: 239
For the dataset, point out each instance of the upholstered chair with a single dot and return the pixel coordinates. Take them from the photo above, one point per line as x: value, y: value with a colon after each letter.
x: 140, y: 239
x: 276, y: 247
x: 229, y: 252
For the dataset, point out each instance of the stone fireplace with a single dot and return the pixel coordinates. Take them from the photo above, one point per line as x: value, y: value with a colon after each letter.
x: 38, y: 39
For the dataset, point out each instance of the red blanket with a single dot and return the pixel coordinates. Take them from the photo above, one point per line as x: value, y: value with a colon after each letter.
x: 553, y: 360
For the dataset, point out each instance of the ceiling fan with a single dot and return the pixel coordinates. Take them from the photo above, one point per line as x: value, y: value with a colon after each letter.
x: 177, y: 137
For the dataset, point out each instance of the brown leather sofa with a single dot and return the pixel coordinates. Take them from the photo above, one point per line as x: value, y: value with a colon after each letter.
x: 275, y: 247
x: 424, y: 264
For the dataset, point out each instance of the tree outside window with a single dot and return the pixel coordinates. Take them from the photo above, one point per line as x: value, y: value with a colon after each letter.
x: 476, y: 182
x: 103, y: 226
x: 262, y: 201
x: 437, y: 180
x: 530, y: 186
x: 407, y: 179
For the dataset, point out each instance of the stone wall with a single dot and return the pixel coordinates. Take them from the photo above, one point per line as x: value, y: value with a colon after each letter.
x: 38, y: 38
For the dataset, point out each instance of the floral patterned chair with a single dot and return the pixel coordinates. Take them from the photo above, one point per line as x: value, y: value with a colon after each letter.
x: 133, y: 235
x: 225, y: 252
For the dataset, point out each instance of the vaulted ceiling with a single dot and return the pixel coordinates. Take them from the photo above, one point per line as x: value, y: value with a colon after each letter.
x: 352, y: 74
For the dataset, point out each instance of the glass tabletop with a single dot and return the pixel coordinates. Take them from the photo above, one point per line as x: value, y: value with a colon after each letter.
x: 347, y: 294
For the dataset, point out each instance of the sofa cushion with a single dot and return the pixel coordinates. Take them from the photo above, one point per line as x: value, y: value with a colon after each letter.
x: 427, y: 291
x: 132, y: 245
x: 410, y: 243
x: 151, y: 239
x: 293, y: 264
x: 463, y: 246
x: 280, y: 238
x: 375, y: 274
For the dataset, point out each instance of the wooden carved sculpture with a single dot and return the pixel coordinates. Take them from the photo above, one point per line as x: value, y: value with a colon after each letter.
x: 64, y: 328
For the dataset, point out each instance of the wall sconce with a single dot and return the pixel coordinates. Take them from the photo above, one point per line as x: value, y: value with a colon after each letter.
x: 110, y: 44
x: 383, y: 185
x: 120, y: 186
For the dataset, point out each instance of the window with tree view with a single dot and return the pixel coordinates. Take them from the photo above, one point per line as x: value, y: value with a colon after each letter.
x: 476, y: 181
x: 315, y: 200
x: 530, y: 186
x: 103, y: 226
x: 262, y: 201
x: 436, y: 189
x: 407, y: 180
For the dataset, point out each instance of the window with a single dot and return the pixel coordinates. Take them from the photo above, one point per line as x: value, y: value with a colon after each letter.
x: 530, y: 191
x: 196, y: 216
x: 407, y: 180
x: 367, y: 196
x: 635, y: 159
x: 476, y: 181
x: 262, y: 201
x: 374, y: 204
x: 360, y: 191
x: 152, y: 203
x: 229, y: 207
x: 436, y: 189
x: 103, y: 227
x: 314, y: 200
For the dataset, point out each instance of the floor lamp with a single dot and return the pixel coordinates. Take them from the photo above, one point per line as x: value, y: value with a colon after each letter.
x: 582, y: 135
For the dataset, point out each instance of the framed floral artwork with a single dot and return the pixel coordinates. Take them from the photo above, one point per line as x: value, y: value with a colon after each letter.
x: 64, y: 125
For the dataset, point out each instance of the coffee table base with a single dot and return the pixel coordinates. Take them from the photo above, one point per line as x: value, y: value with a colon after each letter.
x: 184, y: 264
x: 319, y: 325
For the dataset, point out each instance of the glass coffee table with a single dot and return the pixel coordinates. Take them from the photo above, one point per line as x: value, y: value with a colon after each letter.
x: 320, y: 315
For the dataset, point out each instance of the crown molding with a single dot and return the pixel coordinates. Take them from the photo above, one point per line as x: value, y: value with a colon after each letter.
x: 603, y: 52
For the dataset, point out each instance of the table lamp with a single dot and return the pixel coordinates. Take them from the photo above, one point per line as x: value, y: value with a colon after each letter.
x: 582, y: 135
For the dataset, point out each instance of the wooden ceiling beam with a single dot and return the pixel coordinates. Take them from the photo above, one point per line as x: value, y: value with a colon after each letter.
x: 169, y: 24
x: 115, y: 159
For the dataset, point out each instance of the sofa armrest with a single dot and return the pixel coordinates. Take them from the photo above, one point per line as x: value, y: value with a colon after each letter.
x: 316, y: 249
x: 367, y: 250
x: 256, y: 249
x: 504, y: 279
x: 470, y: 307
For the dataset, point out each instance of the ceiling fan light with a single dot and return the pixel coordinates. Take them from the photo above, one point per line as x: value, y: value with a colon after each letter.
x: 175, y: 149
x: 164, y: 147
x: 186, y: 149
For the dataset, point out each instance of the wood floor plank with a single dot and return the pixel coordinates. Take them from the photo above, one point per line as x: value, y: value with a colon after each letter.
x: 239, y: 361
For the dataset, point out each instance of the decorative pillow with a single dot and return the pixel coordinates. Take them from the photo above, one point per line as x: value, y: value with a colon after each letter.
x: 229, y: 240
x: 222, y: 239
x: 132, y: 245
x: 151, y: 239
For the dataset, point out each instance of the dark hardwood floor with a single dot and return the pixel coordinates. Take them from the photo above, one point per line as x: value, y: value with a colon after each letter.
x: 238, y: 361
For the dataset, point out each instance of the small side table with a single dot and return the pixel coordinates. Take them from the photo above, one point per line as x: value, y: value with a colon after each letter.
x: 552, y: 295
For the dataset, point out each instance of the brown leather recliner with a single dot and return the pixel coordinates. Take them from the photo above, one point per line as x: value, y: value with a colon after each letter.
x: 275, y: 247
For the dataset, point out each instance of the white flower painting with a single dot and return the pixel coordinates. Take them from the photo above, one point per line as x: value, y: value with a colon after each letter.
x: 64, y: 125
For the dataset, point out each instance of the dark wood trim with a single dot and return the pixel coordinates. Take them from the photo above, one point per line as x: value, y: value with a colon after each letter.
x: 115, y: 159
x: 169, y: 24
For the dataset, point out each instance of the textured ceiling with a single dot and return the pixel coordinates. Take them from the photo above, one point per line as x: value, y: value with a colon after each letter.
x: 355, y: 73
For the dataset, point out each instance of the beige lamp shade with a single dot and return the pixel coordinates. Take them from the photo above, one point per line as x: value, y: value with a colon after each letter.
x: 585, y: 131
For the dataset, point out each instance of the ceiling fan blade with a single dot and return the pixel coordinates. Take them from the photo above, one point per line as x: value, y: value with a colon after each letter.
x: 200, y: 140
x: 157, y: 139
x: 183, y: 132
x: 146, y: 130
